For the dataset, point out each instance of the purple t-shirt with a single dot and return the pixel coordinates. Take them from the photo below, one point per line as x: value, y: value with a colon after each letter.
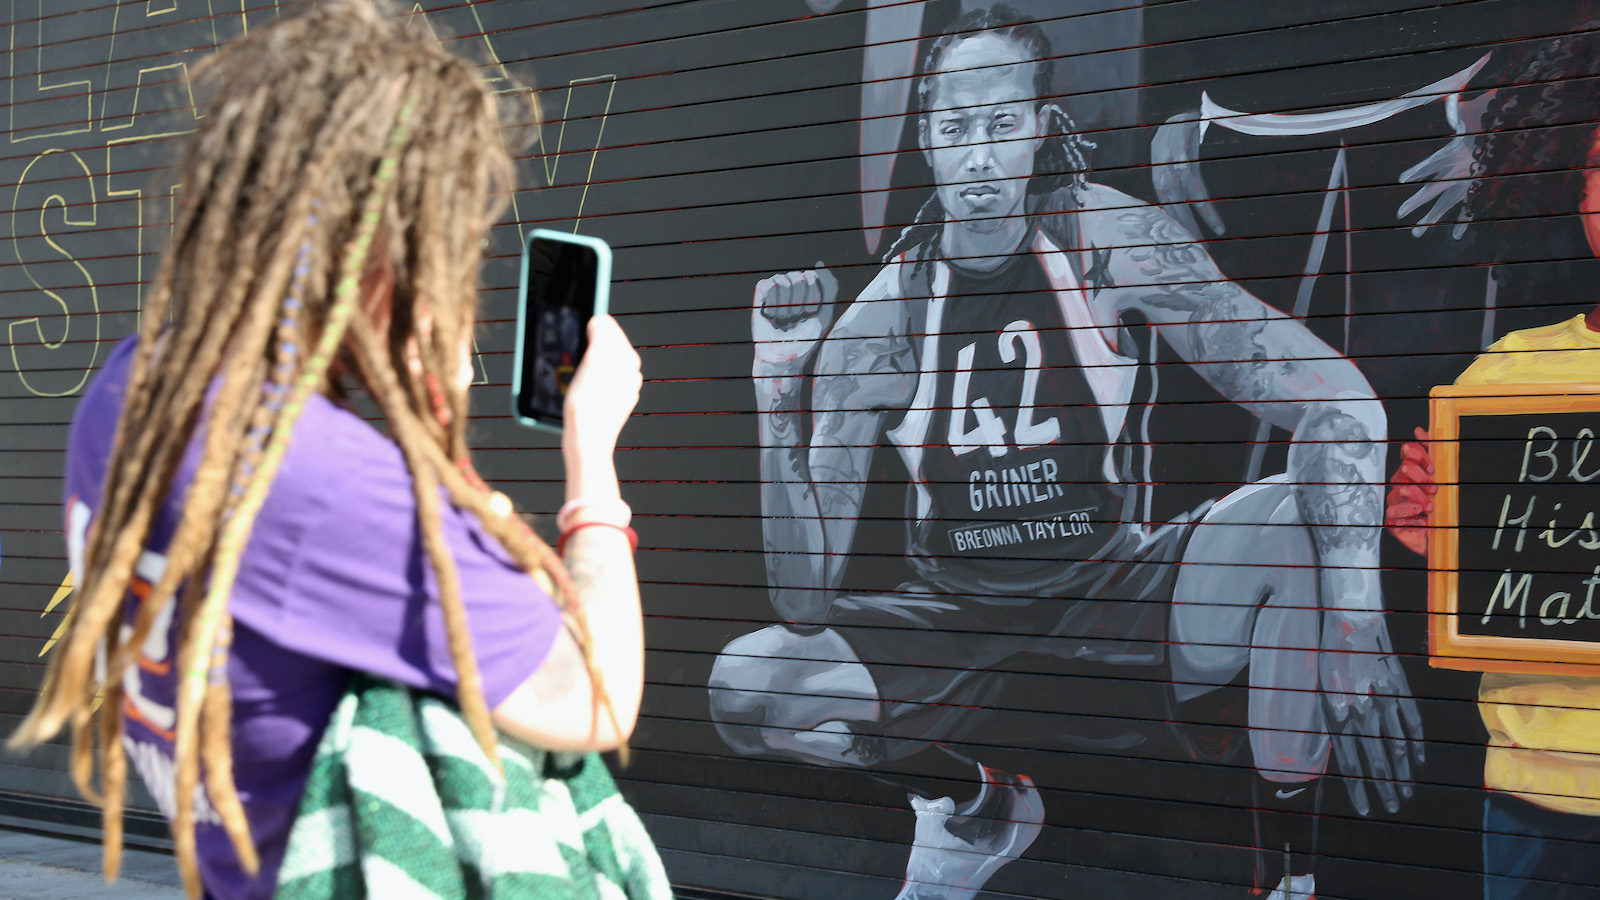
x: 334, y: 579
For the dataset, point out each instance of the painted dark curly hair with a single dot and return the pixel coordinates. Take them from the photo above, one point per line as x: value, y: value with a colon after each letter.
x: 1541, y: 127
x: 1528, y: 171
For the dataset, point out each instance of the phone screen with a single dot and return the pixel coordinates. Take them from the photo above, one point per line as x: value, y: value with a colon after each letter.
x: 561, y: 280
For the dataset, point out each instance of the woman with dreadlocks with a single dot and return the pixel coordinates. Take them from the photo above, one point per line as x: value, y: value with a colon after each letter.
x: 993, y: 338
x: 241, y: 540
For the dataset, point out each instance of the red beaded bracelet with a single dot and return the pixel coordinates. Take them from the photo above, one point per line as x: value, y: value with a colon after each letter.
x: 561, y: 542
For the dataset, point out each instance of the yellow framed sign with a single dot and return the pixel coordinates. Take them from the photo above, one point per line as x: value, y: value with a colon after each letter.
x: 1514, y: 554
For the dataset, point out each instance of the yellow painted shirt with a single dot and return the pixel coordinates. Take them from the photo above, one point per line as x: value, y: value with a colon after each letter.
x: 1544, y: 730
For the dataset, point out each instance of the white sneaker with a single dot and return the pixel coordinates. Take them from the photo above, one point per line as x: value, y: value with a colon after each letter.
x: 1300, y: 887
x: 956, y: 852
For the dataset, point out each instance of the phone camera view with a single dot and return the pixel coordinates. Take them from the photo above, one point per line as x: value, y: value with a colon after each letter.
x: 560, y: 284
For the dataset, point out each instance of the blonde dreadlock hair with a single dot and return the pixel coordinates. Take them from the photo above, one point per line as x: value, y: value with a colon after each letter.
x: 338, y: 141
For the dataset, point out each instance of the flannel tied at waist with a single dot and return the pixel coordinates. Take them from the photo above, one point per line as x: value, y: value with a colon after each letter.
x: 402, y: 804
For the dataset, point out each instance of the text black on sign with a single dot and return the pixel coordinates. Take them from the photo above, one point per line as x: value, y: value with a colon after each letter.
x: 1516, y: 560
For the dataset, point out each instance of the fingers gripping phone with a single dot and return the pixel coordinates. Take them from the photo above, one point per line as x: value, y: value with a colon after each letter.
x: 566, y: 279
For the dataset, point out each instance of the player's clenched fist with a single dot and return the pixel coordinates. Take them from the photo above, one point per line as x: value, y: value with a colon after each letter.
x: 789, y: 315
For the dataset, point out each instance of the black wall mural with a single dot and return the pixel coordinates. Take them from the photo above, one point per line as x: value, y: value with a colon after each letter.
x: 1025, y: 389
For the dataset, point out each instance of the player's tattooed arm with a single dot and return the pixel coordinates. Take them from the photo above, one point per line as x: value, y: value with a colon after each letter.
x: 779, y: 422
x: 791, y: 532
x: 1336, y: 463
x: 1274, y: 366
x: 812, y: 485
x: 1339, y: 467
x: 858, y: 379
x: 1249, y: 351
x: 790, y: 313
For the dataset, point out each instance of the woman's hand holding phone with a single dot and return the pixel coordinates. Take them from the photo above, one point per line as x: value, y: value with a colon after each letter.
x: 603, y: 393
x: 557, y: 708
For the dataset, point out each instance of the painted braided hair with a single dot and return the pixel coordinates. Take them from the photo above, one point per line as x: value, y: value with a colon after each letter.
x: 1062, y: 161
x: 339, y: 144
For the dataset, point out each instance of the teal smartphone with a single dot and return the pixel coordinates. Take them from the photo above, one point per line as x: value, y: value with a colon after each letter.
x: 566, y: 279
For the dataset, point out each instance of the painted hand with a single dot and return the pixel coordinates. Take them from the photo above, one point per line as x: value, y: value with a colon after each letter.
x: 1446, y: 175
x: 789, y: 315
x: 1175, y: 152
x: 1376, y: 727
x: 1410, y: 500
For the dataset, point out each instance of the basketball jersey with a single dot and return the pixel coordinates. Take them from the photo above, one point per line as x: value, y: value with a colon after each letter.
x: 1013, y: 477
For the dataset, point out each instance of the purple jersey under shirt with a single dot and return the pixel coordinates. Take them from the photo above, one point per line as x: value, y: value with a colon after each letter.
x: 334, y: 579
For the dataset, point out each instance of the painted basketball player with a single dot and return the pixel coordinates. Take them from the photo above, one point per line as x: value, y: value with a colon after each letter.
x: 989, y: 351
